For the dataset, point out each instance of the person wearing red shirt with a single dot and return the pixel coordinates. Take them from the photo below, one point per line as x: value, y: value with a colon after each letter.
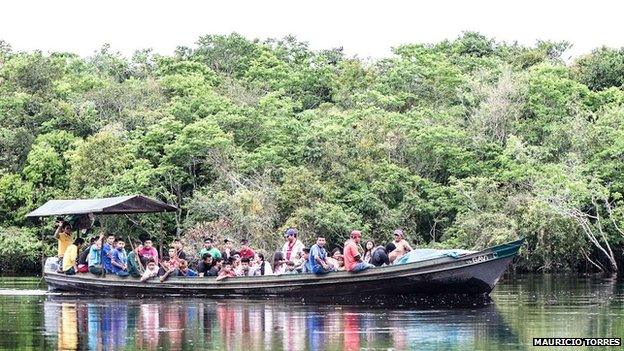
x: 246, y: 251
x: 147, y: 251
x: 352, y: 259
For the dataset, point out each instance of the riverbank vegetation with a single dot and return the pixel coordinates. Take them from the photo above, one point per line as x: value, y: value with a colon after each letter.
x: 464, y: 143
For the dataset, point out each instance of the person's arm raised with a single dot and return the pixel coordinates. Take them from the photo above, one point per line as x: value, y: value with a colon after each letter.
x: 57, y: 232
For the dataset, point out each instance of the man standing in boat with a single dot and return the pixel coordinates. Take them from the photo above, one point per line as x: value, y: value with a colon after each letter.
x: 63, y: 234
x: 293, y: 248
x: 318, y: 257
x: 352, y: 259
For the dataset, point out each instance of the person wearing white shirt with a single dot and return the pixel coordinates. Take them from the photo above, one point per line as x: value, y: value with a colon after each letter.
x: 293, y: 247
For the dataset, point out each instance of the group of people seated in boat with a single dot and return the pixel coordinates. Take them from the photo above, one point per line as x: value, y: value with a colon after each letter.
x: 108, y: 255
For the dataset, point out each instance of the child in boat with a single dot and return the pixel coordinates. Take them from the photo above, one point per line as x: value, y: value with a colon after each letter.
x: 290, y: 268
x: 245, y: 269
x: 185, y: 271
x: 174, y: 260
x: 279, y: 263
x: 151, y: 270
x: 218, y: 264
x: 375, y: 255
x: 336, y: 260
x: 70, y: 257
x: 94, y: 258
x: 226, y: 252
x: 301, y: 260
x: 135, y: 267
x: 261, y: 266
x: 107, y: 253
x: 120, y: 259
x: 246, y: 251
x: 305, y: 267
x: 177, y: 245
x: 235, y: 259
x: 227, y: 271
x: 83, y: 266
x: 166, y: 269
x: 147, y: 251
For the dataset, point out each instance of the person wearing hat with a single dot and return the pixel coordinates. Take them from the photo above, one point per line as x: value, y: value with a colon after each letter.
x: 208, y: 248
x: 352, y: 258
x: 293, y: 247
x: 401, y: 246
x: 246, y: 251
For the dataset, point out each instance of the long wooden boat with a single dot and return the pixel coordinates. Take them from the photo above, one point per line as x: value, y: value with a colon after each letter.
x: 470, y: 274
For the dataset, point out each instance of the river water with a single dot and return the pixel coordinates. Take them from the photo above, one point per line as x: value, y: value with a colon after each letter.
x: 522, y: 307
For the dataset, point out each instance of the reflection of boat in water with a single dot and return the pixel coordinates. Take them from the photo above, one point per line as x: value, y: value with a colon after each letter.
x: 473, y: 273
x: 253, y: 324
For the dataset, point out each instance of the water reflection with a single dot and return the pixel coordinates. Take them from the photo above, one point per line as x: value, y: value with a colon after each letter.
x: 526, y: 307
x: 178, y: 324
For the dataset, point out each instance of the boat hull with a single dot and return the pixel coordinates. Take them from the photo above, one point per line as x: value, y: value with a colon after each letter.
x: 473, y: 274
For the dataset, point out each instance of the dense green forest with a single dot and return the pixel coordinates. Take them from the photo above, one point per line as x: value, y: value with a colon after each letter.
x: 462, y: 143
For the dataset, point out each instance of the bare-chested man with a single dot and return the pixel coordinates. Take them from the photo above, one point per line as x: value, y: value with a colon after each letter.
x: 402, y: 246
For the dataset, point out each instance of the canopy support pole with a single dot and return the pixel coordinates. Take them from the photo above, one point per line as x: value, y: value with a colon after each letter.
x: 162, y: 236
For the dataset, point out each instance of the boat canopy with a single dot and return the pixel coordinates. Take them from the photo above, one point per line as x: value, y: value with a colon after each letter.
x: 109, y: 205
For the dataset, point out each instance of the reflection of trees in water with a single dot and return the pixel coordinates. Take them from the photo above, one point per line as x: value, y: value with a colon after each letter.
x: 525, y: 308
x: 561, y: 306
x: 249, y: 325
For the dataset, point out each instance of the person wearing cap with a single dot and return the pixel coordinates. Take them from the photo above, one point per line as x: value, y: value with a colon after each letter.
x: 352, y: 258
x: 246, y: 251
x: 208, y: 248
x: 401, y: 246
x: 293, y: 247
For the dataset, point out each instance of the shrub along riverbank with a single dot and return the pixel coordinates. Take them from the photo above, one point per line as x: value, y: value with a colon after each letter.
x: 464, y: 143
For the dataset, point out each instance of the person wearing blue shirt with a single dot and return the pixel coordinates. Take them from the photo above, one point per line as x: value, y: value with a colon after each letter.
x: 184, y: 271
x: 318, y: 257
x: 94, y: 258
x: 120, y: 259
x: 107, y: 252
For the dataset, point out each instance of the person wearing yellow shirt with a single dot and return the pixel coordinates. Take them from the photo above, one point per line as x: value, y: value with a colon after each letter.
x: 63, y: 234
x: 70, y: 257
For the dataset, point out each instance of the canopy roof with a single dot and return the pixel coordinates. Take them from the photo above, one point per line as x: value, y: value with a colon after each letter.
x: 109, y: 205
